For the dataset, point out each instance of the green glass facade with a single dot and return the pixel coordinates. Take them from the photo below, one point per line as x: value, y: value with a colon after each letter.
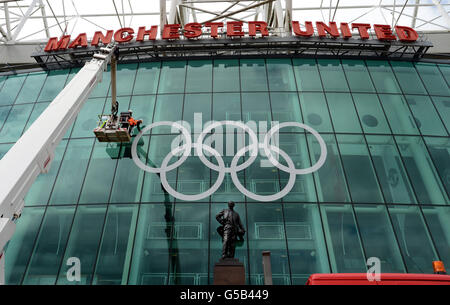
x: 383, y: 190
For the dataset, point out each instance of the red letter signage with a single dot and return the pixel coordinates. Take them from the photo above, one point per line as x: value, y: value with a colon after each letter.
x: 214, y: 27
x: 345, y: 30
x: 150, y: 33
x: 297, y: 31
x: 193, y: 30
x: 80, y: 41
x: 234, y: 28
x: 98, y: 36
x: 322, y: 28
x: 171, y: 31
x: 119, y: 35
x: 54, y: 45
x: 406, y: 34
x: 384, y: 32
x: 362, y: 29
x: 257, y: 26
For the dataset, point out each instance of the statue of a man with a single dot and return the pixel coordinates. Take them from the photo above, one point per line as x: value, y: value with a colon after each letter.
x: 231, y: 229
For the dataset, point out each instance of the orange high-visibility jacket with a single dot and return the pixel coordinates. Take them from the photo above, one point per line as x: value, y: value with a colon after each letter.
x: 132, y: 122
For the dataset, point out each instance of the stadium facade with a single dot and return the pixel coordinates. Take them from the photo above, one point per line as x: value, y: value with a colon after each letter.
x: 382, y: 109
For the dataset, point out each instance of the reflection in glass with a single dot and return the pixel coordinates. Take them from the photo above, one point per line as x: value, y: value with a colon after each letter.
x: 307, y: 250
x: 333, y: 77
x: 357, y: 75
x: 343, y: 240
x: 439, y: 149
x: 398, y: 114
x: 114, y: 254
x: 307, y: 74
x: 343, y: 112
x: 443, y: 107
x: 432, y: 78
x: 413, y: 239
x: 438, y: 220
x: 378, y: 237
x: 315, y: 111
x: 147, y: 78
x: 253, y: 75
x: 226, y: 75
x: 371, y: 113
x: 408, y: 78
x: 421, y: 171
x: 149, y: 264
x: 199, y: 76
x: 362, y: 180
x: 49, y: 248
x: 266, y: 233
x: 280, y: 75
x: 15, y: 123
x: 425, y: 115
x: 393, y: 178
x: 382, y: 76
x: 172, y: 77
x: 31, y: 88
x: 53, y: 85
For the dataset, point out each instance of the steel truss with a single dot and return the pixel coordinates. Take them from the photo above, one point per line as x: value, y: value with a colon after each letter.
x: 35, y: 21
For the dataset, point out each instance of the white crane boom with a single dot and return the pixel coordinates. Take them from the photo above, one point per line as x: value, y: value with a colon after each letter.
x: 33, y: 153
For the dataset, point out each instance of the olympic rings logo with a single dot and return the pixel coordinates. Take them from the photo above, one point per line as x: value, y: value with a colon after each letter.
x: 234, y: 168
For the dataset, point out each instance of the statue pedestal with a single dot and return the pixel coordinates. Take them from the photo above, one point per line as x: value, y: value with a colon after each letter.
x: 229, y: 271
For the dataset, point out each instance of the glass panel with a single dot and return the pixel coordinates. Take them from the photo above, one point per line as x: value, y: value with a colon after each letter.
x: 199, y: 76
x: 439, y: 149
x: 19, y: 249
x: 4, y: 149
x: 343, y: 240
x: 383, y: 77
x: 343, y: 112
x: 31, y: 88
x: 256, y: 108
x: 413, y: 238
x: 421, y: 171
x: 71, y: 175
x: 315, y: 111
x: 114, y: 256
x: 253, y: 75
x: 53, y: 85
x: 99, y: 176
x: 215, y: 247
x: 147, y: 78
x: 168, y: 108
x: 438, y: 220
x: 197, y: 110
x: 37, y: 111
x: 226, y: 106
x: 361, y: 177
x: 408, y: 78
x: 398, y: 114
x: 333, y: 77
x: 391, y: 173
x: 285, y: 108
x: 295, y: 146
x: 87, y: 119
x: 371, y: 113
x: 11, y: 88
x: 83, y: 243
x: 151, y: 257
x: 189, y: 245
x: 49, y: 249
x: 357, y: 75
x: 378, y: 237
x: 280, y: 75
x: 261, y: 179
x: 443, y: 107
x: 101, y: 90
x: 425, y: 115
x: 307, y: 250
x: 330, y: 180
x: 143, y: 107
x: 445, y: 70
x: 226, y: 75
x: 172, y: 79
x: 14, y: 124
x: 72, y: 73
x: 266, y: 233
x: 160, y: 147
x: 127, y: 183
x: 126, y: 74
x: 432, y: 78
x: 4, y: 111
x: 39, y: 192
x: 307, y: 75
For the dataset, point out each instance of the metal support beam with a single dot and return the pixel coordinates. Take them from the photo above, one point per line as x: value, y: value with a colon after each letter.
x: 162, y: 15
x: 443, y: 12
x: 24, y: 19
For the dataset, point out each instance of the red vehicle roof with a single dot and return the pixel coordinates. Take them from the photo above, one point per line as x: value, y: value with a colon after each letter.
x: 385, y: 279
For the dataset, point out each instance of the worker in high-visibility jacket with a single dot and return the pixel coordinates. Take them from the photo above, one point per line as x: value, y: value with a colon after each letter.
x: 133, y: 122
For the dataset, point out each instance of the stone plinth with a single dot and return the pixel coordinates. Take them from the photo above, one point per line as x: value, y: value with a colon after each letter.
x: 229, y: 271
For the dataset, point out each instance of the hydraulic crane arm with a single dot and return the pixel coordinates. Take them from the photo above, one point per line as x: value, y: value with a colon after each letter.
x: 34, y: 151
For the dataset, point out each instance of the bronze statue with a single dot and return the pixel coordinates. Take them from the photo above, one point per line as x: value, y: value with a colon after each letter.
x: 231, y: 230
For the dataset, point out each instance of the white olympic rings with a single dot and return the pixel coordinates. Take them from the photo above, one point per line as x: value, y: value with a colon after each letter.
x: 234, y: 167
